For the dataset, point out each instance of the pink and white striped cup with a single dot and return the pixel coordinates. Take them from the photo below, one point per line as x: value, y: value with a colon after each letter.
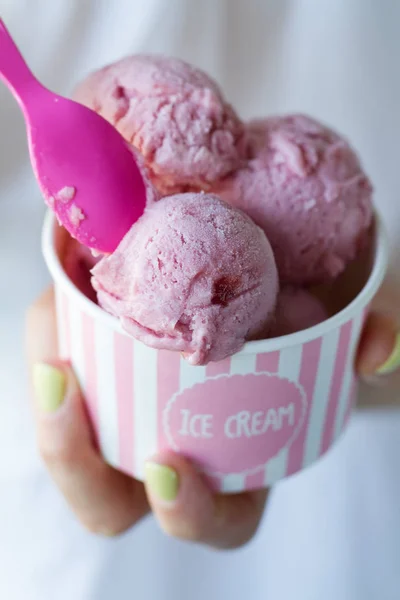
x: 246, y: 422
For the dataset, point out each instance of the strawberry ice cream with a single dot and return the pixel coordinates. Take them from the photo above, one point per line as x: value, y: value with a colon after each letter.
x: 174, y: 114
x: 194, y: 275
x: 305, y: 188
x: 296, y: 309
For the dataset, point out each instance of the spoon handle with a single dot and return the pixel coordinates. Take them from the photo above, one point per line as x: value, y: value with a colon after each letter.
x: 13, y: 68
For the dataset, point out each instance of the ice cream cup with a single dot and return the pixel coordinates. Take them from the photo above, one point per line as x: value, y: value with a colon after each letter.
x: 247, y: 421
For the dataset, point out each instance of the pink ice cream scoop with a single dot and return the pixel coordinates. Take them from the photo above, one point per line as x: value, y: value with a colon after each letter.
x: 296, y: 309
x: 193, y: 275
x: 174, y: 114
x: 306, y: 189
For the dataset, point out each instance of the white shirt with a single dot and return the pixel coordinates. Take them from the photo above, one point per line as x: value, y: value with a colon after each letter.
x: 332, y: 532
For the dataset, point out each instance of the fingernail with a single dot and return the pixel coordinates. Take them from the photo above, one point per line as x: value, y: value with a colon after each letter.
x: 109, y: 533
x: 393, y: 362
x: 49, y: 384
x: 162, y: 481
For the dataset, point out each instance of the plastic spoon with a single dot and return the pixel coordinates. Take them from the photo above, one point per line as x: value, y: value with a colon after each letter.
x: 85, y: 169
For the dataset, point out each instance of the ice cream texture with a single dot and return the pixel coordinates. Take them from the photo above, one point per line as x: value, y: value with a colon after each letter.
x: 297, y: 309
x: 233, y: 210
x: 193, y: 275
x: 174, y: 114
x: 304, y: 186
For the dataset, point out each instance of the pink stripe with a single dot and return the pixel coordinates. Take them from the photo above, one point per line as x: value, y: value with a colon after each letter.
x: 88, y: 341
x: 351, y: 400
x: 255, y: 481
x: 267, y: 362
x: 308, y: 374
x: 65, y: 317
x: 354, y: 383
x: 123, y: 365
x: 218, y: 368
x: 168, y: 370
x: 336, y: 384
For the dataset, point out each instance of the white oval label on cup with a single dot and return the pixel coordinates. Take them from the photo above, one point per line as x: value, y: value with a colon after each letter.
x: 235, y: 423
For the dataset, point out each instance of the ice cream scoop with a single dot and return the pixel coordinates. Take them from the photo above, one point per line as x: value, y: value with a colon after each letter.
x: 296, y: 309
x: 193, y: 275
x: 174, y: 114
x: 85, y: 169
x: 305, y: 187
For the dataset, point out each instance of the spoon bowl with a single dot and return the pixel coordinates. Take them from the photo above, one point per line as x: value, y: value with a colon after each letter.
x: 86, y: 171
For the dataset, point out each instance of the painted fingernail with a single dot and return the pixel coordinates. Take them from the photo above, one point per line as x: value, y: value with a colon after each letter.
x: 49, y: 384
x: 109, y: 533
x: 162, y: 482
x: 393, y: 362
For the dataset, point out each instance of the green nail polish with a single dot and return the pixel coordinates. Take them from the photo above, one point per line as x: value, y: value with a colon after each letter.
x: 49, y: 385
x: 393, y: 362
x: 162, y: 481
x: 109, y: 533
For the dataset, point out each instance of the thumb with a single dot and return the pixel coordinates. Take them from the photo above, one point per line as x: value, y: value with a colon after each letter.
x: 379, y: 348
x: 41, y: 329
x: 187, y: 509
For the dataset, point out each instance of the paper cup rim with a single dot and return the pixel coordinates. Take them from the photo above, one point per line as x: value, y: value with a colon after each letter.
x: 260, y: 346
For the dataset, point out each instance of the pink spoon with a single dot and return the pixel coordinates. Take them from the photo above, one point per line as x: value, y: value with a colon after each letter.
x: 85, y: 169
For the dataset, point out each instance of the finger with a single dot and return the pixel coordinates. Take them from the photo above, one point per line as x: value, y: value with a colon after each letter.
x: 105, y: 500
x: 187, y: 509
x: 41, y: 329
x: 379, y: 347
